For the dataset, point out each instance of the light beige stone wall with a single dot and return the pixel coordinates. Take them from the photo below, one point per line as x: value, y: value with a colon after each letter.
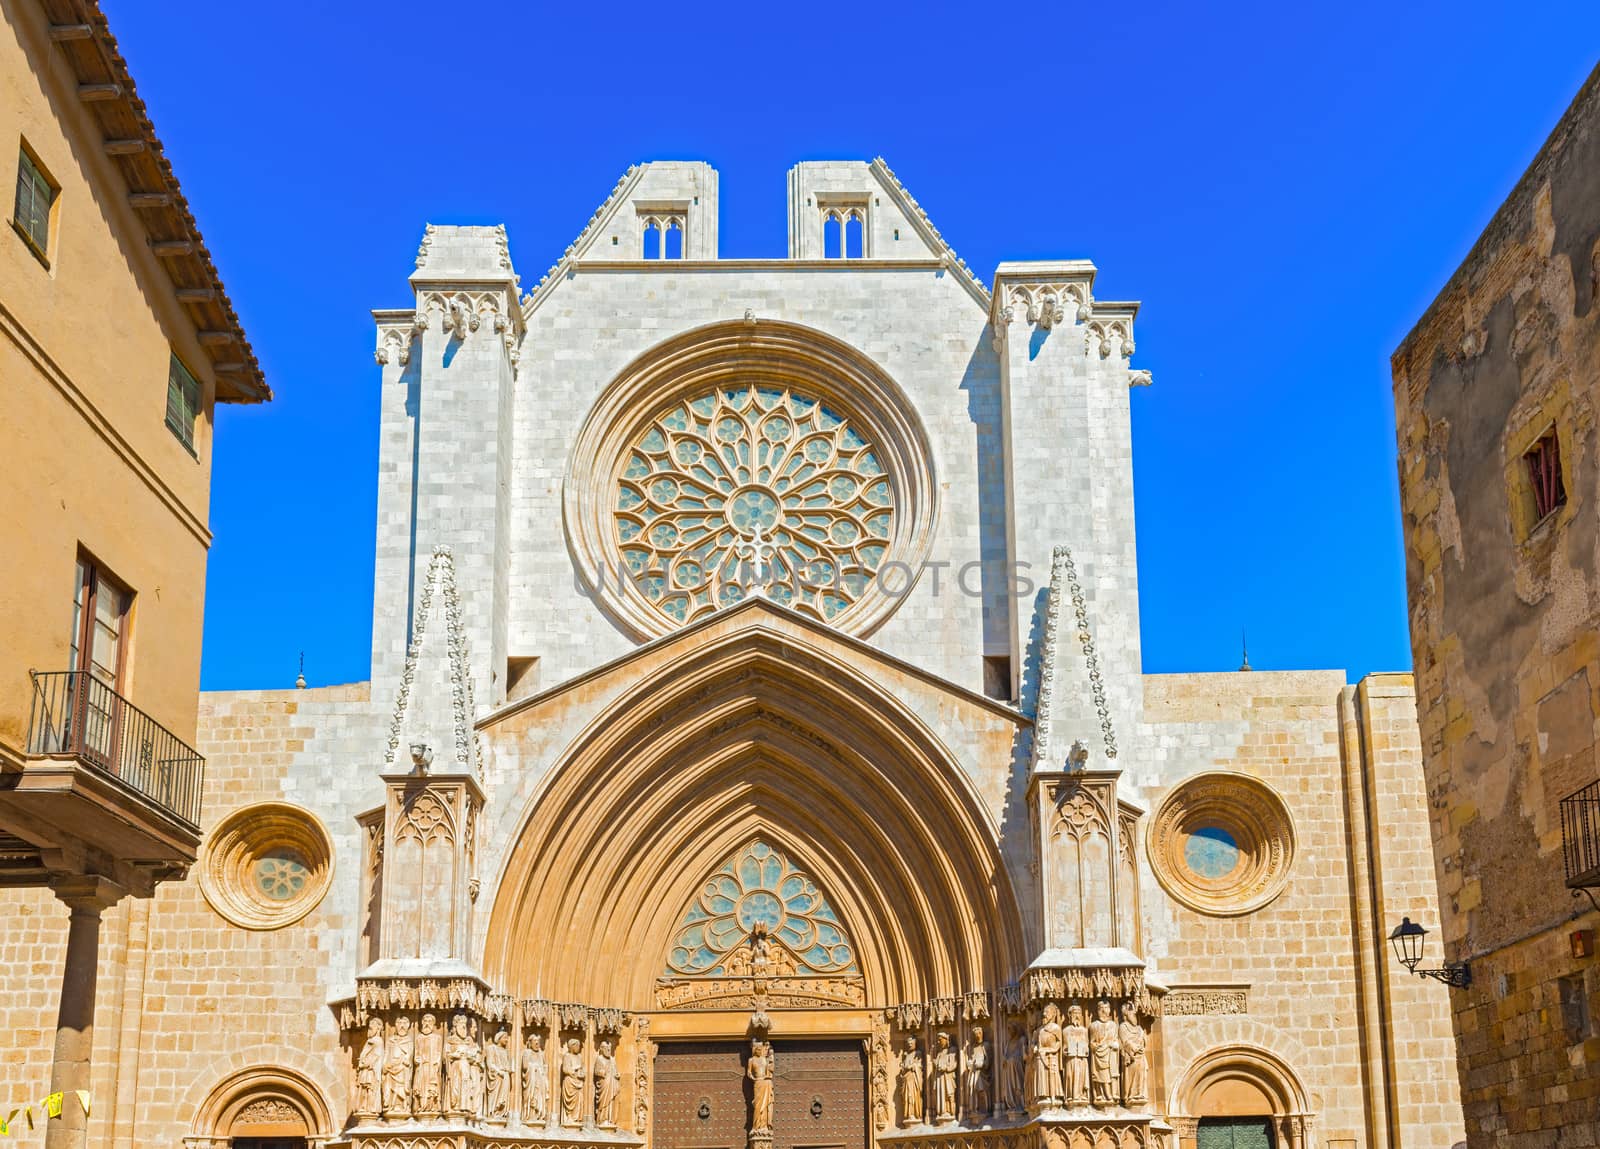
x: 1370, y: 1047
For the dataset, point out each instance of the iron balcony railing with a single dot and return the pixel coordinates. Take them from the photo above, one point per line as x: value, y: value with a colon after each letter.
x: 75, y: 713
x: 1580, y: 837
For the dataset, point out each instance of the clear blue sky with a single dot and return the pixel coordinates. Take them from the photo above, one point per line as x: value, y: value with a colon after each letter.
x: 1285, y: 187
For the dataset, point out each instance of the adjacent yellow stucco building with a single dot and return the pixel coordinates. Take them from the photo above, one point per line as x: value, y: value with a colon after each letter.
x: 116, y: 342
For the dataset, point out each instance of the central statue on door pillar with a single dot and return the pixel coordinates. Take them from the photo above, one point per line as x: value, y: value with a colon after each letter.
x: 759, y: 1070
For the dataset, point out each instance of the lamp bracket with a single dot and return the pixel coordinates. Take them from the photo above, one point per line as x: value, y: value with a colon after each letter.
x: 1456, y: 974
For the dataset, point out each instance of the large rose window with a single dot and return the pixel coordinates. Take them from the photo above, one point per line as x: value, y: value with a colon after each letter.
x: 753, y: 490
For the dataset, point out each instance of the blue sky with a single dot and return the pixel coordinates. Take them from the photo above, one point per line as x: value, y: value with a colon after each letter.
x: 1285, y: 187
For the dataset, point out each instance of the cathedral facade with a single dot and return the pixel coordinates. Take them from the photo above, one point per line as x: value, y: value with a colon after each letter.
x: 757, y: 752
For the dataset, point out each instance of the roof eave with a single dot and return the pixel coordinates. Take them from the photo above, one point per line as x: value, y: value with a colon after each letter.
x: 83, y: 36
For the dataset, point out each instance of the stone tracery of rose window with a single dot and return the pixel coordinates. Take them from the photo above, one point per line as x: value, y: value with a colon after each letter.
x: 759, y: 888
x: 747, y: 487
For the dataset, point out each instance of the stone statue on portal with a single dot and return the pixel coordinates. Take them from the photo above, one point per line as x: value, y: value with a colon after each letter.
x: 1104, y: 1047
x: 573, y: 1079
x: 911, y: 1084
x: 535, y: 1082
x: 398, y: 1063
x: 607, y: 1086
x: 369, y: 1071
x: 429, y: 1066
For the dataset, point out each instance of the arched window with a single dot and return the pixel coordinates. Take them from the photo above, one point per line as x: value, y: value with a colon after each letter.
x: 674, y: 241
x: 652, y: 239
x: 852, y: 236
x: 832, y: 236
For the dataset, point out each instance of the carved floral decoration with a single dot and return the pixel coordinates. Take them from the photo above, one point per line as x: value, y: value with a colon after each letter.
x: 760, y: 894
x: 750, y: 487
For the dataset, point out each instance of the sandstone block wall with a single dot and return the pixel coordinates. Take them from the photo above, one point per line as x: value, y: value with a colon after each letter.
x: 188, y: 998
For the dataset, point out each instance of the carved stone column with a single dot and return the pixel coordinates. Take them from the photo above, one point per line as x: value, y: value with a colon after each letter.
x: 87, y: 896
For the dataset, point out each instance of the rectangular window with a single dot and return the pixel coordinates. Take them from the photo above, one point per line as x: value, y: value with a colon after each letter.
x: 183, y: 403
x: 99, y: 610
x: 35, y: 195
x: 1543, y: 461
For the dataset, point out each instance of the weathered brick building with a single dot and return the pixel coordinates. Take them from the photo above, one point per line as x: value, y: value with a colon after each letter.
x: 1495, y: 411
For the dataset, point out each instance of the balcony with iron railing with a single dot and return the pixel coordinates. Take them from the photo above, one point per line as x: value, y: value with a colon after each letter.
x: 102, y: 778
x: 1580, y: 840
x: 76, y: 714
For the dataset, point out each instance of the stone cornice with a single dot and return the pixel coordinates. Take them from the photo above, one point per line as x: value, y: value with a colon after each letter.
x: 1047, y: 294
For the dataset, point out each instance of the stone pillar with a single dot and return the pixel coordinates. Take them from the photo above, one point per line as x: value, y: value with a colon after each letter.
x: 87, y: 896
x: 445, y: 457
x: 1064, y: 372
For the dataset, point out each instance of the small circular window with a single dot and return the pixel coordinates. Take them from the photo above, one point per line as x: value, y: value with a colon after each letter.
x: 266, y: 866
x: 282, y: 875
x: 1222, y: 844
x: 1211, y: 852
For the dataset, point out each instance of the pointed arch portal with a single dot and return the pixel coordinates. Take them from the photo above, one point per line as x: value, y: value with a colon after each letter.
x: 754, y: 738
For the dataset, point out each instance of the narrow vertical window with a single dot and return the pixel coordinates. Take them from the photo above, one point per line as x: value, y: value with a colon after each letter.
x: 183, y: 403
x: 832, y: 236
x: 672, y: 244
x: 1543, y: 461
x: 652, y: 240
x: 35, y: 195
x: 852, y: 236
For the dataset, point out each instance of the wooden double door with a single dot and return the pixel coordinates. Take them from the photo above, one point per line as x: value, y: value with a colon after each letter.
x: 702, y: 1100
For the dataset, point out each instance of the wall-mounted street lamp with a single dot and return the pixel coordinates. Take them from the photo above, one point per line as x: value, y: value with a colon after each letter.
x: 1407, y: 940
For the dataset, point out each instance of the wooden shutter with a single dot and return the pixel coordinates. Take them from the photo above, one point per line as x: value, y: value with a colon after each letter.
x: 183, y: 402
x: 34, y: 194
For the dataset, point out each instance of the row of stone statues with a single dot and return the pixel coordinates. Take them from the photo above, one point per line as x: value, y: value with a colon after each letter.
x: 1100, y: 1063
x: 1069, y: 1062
x: 430, y: 1074
x: 931, y: 1093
